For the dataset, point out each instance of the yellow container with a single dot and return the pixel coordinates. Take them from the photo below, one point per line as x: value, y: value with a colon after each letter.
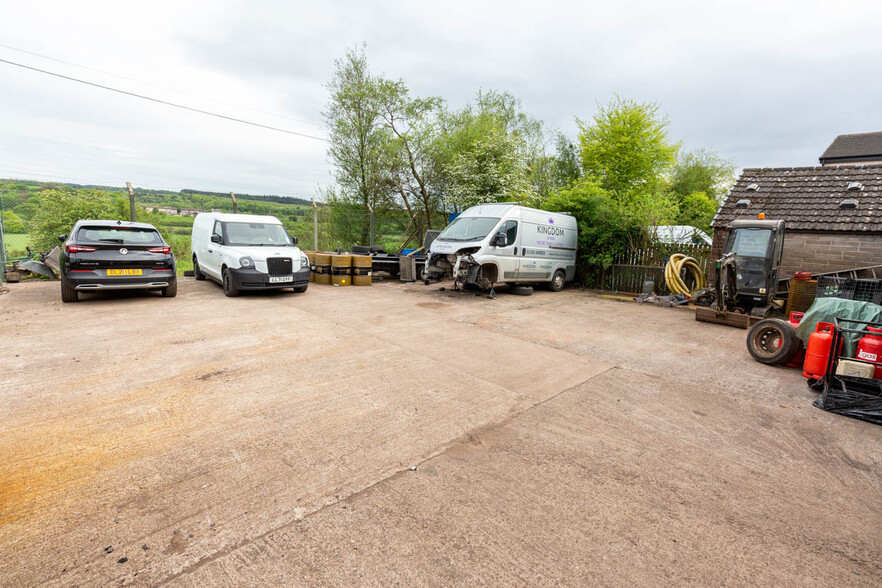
x: 322, y: 268
x: 361, y: 270
x: 341, y: 268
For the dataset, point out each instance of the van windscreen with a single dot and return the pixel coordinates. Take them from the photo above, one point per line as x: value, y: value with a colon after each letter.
x: 469, y: 228
x: 256, y: 234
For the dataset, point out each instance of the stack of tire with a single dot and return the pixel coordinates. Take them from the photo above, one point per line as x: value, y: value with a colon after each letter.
x: 340, y: 269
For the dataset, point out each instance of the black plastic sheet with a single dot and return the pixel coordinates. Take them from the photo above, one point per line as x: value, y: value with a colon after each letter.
x: 854, y: 397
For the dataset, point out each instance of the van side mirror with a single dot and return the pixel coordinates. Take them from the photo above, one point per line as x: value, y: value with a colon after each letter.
x: 216, y: 239
x: 500, y: 240
x: 62, y: 238
x: 293, y: 239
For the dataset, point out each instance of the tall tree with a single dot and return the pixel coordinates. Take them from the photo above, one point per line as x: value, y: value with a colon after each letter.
x: 626, y: 147
x: 487, y: 151
x: 358, y: 138
x: 702, y: 171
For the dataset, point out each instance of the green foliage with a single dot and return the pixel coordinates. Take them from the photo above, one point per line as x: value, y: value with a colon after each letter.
x: 604, y: 231
x: 12, y: 223
x: 488, y: 151
x: 697, y: 210
x: 551, y: 173
x: 626, y: 148
x: 490, y: 171
x: 702, y: 171
x: 60, y: 209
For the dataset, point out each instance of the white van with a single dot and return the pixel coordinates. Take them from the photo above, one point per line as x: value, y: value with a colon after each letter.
x: 247, y: 252
x: 505, y: 243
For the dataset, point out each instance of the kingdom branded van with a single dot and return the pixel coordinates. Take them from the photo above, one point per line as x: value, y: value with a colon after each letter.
x: 505, y: 243
x: 247, y: 252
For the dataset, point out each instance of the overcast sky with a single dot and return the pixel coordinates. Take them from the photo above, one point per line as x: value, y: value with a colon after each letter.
x: 762, y: 83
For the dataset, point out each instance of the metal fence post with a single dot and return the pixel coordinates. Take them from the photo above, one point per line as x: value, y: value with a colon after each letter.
x: 2, y: 251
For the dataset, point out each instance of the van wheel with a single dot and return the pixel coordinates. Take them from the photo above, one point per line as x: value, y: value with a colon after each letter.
x: 557, y: 281
x: 229, y: 288
x: 68, y: 294
x: 197, y: 271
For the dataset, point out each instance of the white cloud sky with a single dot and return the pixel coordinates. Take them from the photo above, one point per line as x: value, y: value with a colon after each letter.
x: 762, y: 83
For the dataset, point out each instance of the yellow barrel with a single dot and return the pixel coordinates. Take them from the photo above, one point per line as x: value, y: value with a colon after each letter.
x: 361, y: 270
x: 311, y: 256
x: 322, y: 268
x: 341, y: 268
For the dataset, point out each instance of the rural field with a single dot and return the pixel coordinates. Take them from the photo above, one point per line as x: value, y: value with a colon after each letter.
x: 401, y: 435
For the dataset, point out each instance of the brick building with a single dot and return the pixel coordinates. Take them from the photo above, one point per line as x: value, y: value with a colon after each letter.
x: 833, y: 214
x: 864, y: 148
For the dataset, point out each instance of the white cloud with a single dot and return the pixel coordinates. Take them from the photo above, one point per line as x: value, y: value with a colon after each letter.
x: 763, y: 83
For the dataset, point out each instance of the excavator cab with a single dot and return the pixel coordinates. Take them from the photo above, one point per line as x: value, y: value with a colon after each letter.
x: 753, y: 252
x: 747, y: 273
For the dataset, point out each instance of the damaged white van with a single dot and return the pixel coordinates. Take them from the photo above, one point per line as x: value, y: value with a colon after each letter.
x: 493, y: 244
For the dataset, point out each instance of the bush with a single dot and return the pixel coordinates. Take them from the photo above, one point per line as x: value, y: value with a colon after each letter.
x: 604, y: 230
x: 12, y: 223
x: 59, y: 210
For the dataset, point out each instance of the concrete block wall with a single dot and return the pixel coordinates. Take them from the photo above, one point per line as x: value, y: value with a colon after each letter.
x: 817, y: 252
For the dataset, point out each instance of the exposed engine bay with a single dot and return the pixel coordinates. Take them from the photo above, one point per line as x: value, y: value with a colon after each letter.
x: 462, y: 268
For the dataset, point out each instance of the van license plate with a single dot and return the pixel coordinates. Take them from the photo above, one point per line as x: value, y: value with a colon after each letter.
x: 280, y: 279
x: 123, y: 272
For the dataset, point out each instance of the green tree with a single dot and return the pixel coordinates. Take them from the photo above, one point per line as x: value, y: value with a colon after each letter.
x: 12, y: 223
x: 487, y: 151
x: 702, y: 171
x: 697, y: 210
x: 626, y: 147
x: 490, y: 171
x: 604, y: 231
x: 60, y: 209
x: 358, y: 140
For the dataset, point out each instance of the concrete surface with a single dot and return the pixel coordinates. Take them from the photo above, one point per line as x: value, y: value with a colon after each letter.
x: 558, y: 439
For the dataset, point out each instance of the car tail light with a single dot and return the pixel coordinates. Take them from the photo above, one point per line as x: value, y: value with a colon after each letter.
x: 79, y: 249
x: 160, y: 250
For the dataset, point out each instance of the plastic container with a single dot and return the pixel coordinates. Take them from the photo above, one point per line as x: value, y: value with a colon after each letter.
x: 854, y: 369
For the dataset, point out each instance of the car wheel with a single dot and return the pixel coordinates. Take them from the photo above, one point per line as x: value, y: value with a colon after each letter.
x: 229, y: 287
x: 171, y: 290
x: 301, y: 289
x: 197, y: 271
x: 68, y: 294
x: 772, y: 341
x: 557, y: 281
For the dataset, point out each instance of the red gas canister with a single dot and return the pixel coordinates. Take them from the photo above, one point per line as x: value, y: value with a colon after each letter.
x: 870, y: 348
x: 799, y: 357
x: 818, y: 351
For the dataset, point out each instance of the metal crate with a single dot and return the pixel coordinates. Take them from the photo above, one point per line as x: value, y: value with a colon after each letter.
x: 850, y: 289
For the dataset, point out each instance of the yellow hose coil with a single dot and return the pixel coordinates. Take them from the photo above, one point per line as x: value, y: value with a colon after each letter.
x: 675, y: 265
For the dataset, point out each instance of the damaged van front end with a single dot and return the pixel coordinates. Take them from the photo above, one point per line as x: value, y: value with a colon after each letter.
x: 461, y: 267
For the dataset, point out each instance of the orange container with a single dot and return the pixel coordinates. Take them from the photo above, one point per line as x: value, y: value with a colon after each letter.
x: 817, y: 351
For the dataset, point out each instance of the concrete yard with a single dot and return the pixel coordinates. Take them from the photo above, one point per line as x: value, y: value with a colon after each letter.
x: 558, y: 439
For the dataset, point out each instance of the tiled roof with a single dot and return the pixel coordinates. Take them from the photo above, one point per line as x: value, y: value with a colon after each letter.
x: 854, y: 147
x: 807, y: 198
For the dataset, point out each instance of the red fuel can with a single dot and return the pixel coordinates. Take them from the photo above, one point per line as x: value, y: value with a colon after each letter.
x: 818, y: 351
x: 870, y: 348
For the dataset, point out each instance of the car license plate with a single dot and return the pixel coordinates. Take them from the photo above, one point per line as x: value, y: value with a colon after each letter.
x: 123, y: 272
x: 280, y: 279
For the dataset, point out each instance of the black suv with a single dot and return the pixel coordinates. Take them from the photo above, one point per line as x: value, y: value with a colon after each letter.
x: 115, y: 255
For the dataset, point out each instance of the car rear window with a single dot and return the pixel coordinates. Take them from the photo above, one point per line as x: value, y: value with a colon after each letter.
x: 119, y: 235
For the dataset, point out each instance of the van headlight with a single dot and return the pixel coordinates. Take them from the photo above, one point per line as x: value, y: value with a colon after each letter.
x: 304, y: 262
x: 246, y: 262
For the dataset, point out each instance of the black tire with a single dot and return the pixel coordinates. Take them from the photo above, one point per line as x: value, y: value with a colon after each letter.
x: 520, y: 290
x: 557, y: 281
x: 772, y: 341
x: 68, y: 294
x: 229, y: 287
x: 171, y: 290
x: 197, y: 272
x: 300, y: 289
